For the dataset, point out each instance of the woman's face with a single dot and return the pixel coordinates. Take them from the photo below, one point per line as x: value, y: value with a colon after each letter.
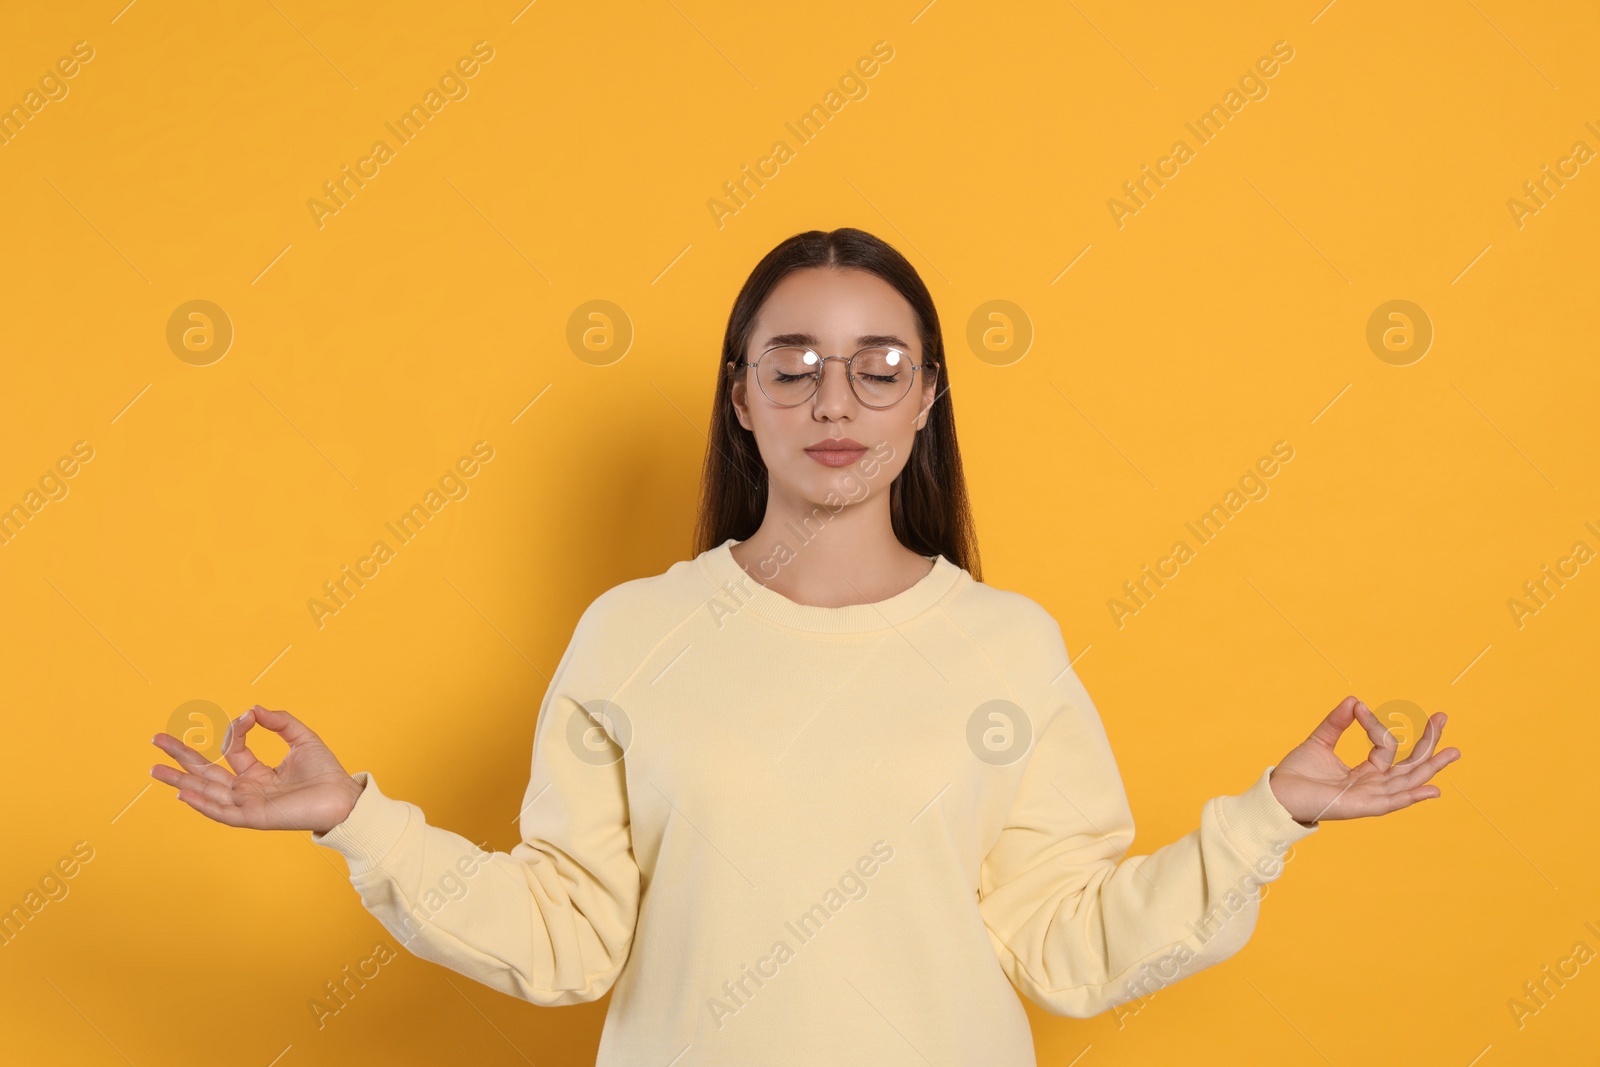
x: 833, y: 312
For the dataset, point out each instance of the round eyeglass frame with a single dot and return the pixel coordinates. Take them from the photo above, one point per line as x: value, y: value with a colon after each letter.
x: 822, y: 365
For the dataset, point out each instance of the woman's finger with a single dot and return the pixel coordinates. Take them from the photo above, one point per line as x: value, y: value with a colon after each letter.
x: 1384, y: 743
x: 191, y: 784
x: 1421, y: 793
x: 1425, y: 770
x: 1425, y: 744
x: 234, y: 750
x: 284, y: 725
x: 226, y: 813
x: 189, y: 759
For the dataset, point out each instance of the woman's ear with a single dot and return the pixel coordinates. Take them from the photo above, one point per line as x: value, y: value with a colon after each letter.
x: 930, y: 394
x: 737, y: 395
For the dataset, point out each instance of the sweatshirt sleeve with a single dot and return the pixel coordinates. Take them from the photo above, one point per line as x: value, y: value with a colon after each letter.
x: 550, y: 922
x: 1079, y: 928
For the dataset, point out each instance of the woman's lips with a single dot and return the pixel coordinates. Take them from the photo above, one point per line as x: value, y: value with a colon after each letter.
x: 835, y: 457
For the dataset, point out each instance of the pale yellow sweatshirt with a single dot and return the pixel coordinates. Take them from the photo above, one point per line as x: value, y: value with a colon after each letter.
x: 786, y: 834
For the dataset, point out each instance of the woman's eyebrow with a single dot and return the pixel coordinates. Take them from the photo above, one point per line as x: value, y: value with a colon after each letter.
x: 869, y: 340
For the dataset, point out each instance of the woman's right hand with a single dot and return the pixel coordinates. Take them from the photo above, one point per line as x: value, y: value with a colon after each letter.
x: 309, y: 790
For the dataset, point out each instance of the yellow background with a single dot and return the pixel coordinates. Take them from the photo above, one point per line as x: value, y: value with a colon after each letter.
x: 371, y: 352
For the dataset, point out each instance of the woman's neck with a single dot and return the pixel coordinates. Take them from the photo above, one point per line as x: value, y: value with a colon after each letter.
x: 820, y: 557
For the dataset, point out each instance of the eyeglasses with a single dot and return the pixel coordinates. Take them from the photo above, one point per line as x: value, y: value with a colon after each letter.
x: 879, y: 377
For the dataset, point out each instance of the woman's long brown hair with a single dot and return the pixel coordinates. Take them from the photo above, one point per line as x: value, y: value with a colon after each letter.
x: 928, y: 504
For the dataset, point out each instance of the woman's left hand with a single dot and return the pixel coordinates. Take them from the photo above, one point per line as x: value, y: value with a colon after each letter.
x: 1313, y: 783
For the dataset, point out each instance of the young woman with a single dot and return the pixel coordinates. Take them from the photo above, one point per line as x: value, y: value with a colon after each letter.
x: 817, y: 793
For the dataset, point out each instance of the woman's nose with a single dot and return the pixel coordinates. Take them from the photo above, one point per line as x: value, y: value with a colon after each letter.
x: 834, y: 389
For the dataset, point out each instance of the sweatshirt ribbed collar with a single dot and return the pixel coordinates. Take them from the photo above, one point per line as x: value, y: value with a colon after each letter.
x: 742, y: 593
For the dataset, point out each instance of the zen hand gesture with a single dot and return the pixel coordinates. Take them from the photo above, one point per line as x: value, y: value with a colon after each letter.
x: 309, y: 790
x: 1313, y: 783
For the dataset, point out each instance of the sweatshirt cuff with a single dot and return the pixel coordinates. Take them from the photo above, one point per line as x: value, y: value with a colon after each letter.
x: 1257, y: 822
x: 372, y: 829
